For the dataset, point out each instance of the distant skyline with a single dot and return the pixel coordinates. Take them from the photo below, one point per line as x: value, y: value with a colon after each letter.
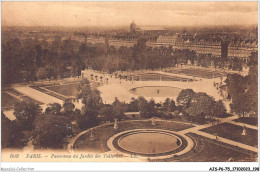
x: 123, y: 13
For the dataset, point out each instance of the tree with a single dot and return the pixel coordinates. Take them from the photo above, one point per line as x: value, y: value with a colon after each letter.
x: 50, y: 131
x: 235, y: 64
x: 30, y: 74
x: 168, y: 105
x: 62, y: 71
x: 133, y: 105
x: 201, y: 105
x: 219, y: 109
x: 243, y: 89
x: 6, y: 133
x: 149, y: 110
x: 84, y: 89
x: 75, y: 115
x: 184, y: 98
x: 119, y: 109
x: 68, y: 105
x: 92, y: 101
x: 77, y: 70
x: 12, y: 61
x: 141, y: 102
x: 108, y: 113
x: 253, y: 59
x: 41, y: 73
x: 252, y: 85
x: 53, y: 109
x: 49, y: 73
x: 26, y: 112
x: 38, y: 49
x: 11, y: 133
x: 92, y: 106
x: 68, y: 110
x: 87, y: 120
x: 241, y: 104
x: 236, y: 84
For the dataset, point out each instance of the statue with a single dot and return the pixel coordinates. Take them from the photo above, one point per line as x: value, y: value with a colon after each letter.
x: 115, y: 124
x: 244, y: 131
x: 91, y: 137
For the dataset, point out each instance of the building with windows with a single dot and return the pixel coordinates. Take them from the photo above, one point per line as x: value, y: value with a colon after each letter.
x: 230, y: 49
x: 172, y: 40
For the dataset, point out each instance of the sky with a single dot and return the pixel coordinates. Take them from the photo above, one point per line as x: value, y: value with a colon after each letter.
x: 123, y: 13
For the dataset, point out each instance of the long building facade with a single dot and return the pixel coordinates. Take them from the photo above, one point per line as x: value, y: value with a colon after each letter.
x: 240, y: 49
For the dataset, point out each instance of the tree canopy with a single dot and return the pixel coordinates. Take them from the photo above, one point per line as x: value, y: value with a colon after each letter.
x: 26, y: 112
x: 51, y: 130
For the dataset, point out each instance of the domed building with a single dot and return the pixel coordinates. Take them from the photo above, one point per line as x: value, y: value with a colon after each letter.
x: 145, y: 30
x: 133, y: 27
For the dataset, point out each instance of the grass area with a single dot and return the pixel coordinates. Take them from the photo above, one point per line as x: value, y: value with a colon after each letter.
x: 234, y: 132
x: 99, y: 144
x: 248, y: 120
x: 7, y: 100
x: 67, y: 90
x: 208, y: 150
x: 202, y: 73
x: 102, y: 134
x: 213, y: 151
x: 157, y: 77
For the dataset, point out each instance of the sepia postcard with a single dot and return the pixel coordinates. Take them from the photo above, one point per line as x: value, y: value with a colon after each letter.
x: 135, y: 81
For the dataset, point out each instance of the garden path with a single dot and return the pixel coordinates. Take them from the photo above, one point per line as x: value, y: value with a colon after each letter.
x: 221, y: 139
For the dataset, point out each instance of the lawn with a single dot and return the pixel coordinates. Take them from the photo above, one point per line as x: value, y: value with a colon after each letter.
x: 212, y: 151
x: 67, y: 90
x: 202, y: 73
x: 7, y: 100
x: 234, y: 132
x: 102, y: 134
x: 248, y: 120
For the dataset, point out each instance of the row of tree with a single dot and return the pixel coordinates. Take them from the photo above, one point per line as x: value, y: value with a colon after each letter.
x: 32, y: 59
x: 243, y: 89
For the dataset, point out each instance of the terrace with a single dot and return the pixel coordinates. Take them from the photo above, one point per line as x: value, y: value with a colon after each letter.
x: 201, y: 73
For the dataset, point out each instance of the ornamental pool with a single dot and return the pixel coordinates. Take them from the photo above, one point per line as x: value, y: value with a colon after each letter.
x: 156, y: 91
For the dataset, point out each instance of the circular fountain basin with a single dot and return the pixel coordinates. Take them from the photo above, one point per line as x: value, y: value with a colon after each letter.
x: 156, y: 91
x: 148, y: 142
